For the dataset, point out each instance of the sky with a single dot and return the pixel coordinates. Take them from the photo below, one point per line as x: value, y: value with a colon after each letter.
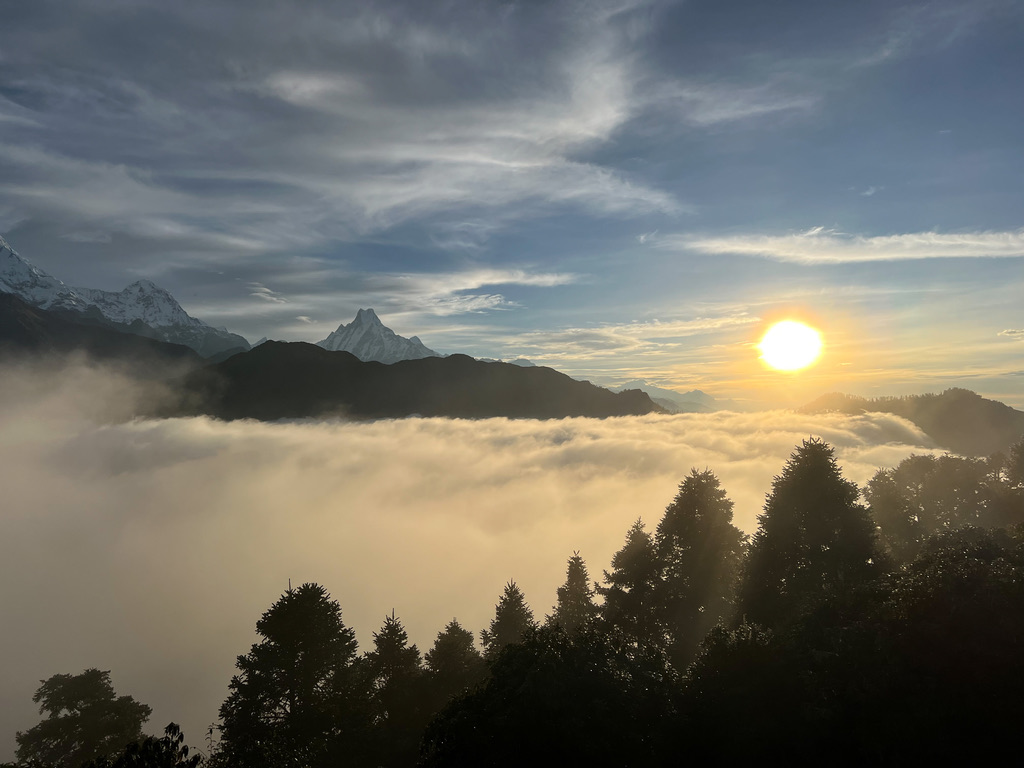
x: 618, y: 189
x: 150, y: 548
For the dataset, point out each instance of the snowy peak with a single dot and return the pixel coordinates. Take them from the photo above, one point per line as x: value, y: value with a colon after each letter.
x: 142, y: 300
x: 33, y: 285
x: 368, y: 338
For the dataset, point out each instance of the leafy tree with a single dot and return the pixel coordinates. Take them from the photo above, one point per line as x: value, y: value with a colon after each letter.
x: 700, y: 552
x: 167, y: 751
x: 629, y: 590
x: 85, y: 720
x: 453, y: 664
x: 299, y: 698
x: 582, y: 699
x: 813, y: 538
x: 1015, y: 465
x: 576, y: 608
x: 398, y: 694
x: 512, y: 619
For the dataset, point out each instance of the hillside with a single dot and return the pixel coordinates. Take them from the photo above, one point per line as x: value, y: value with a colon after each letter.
x: 958, y: 419
x: 279, y: 380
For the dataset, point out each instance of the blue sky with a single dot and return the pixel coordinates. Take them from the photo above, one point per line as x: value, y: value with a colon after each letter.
x: 616, y: 189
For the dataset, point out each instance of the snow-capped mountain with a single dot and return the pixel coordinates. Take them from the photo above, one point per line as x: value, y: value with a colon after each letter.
x: 368, y: 338
x: 143, y: 308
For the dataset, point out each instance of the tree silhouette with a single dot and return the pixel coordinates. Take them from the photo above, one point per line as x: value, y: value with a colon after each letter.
x: 453, y: 664
x: 629, y: 589
x: 399, y: 694
x: 84, y: 721
x: 167, y: 751
x: 298, y: 699
x: 576, y: 607
x: 512, y: 619
x: 812, y: 538
x: 700, y: 552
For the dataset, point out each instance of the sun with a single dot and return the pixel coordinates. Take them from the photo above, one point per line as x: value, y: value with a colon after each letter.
x: 790, y: 346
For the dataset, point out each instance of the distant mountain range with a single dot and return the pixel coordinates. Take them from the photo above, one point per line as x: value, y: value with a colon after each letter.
x: 142, y: 309
x: 958, y: 420
x: 279, y: 380
x: 370, y: 340
x: 672, y: 401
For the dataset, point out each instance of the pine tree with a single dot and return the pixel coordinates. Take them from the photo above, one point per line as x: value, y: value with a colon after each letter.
x: 453, y: 664
x: 575, y: 608
x: 297, y: 699
x: 629, y: 590
x: 813, y: 538
x: 399, y: 693
x: 700, y: 552
x: 512, y: 619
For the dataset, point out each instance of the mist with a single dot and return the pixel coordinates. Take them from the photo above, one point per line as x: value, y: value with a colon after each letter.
x: 150, y: 548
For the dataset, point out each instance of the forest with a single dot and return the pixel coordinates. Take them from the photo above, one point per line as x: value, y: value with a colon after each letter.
x: 880, y: 625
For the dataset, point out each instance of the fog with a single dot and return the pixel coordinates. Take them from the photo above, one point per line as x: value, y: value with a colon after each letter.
x: 150, y: 548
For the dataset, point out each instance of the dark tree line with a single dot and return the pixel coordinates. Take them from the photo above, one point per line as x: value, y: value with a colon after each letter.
x: 841, y: 632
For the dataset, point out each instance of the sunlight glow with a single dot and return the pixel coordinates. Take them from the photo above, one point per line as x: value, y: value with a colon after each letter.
x: 790, y: 346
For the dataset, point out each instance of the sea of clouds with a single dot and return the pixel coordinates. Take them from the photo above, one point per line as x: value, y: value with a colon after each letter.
x: 151, y: 547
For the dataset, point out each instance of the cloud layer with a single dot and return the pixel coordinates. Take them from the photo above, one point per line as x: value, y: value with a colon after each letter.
x: 151, y: 548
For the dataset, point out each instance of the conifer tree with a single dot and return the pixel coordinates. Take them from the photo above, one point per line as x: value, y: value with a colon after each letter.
x: 298, y: 698
x: 453, y: 664
x: 813, y: 538
x: 700, y: 552
x: 629, y: 589
x: 512, y: 619
x: 576, y: 607
x: 401, y: 712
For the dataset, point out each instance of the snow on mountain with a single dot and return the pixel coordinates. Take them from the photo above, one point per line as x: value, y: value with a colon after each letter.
x: 368, y: 338
x: 144, y: 307
x: 34, y: 286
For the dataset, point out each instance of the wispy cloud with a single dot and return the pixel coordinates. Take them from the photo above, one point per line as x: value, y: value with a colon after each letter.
x: 261, y: 291
x: 1013, y: 333
x: 827, y: 246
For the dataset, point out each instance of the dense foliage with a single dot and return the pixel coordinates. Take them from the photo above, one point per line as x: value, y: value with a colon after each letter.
x: 889, y: 633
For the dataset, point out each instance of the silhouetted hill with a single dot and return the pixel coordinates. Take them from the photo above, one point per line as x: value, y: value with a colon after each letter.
x: 30, y: 331
x: 279, y: 380
x: 958, y: 419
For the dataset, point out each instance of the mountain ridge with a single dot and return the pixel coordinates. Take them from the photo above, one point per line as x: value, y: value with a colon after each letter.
x: 370, y: 340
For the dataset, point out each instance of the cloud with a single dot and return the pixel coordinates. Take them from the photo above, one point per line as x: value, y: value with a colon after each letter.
x: 1013, y: 333
x: 611, y: 340
x: 151, y: 548
x: 826, y: 246
x: 261, y: 291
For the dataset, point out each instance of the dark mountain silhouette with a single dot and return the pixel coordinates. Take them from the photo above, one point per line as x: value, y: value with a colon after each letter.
x: 958, y: 419
x: 280, y: 380
x: 26, y: 330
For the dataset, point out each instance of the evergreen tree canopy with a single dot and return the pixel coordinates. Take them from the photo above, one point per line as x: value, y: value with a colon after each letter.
x: 575, y: 608
x: 85, y: 720
x: 629, y: 590
x: 297, y: 696
x: 812, y: 538
x: 700, y: 552
x: 400, y: 709
x: 512, y: 619
x: 453, y: 664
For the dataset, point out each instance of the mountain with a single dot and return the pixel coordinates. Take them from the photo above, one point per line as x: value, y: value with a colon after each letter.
x: 143, y: 308
x: 958, y: 420
x: 693, y: 401
x: 29, y: 330
x: 282, y: 380
x: 369, y: 339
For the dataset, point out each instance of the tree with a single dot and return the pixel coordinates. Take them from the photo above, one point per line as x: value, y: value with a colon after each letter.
x: 813, y: 538
x: 298, y: 699
x: 168, y: 751
x: 575, y: 609
x: 400, y: 710
x: 84, y: 721
x: 453, y: 664
x: 700, y: 552
x: 512, y: 619
x: 628, y: 592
